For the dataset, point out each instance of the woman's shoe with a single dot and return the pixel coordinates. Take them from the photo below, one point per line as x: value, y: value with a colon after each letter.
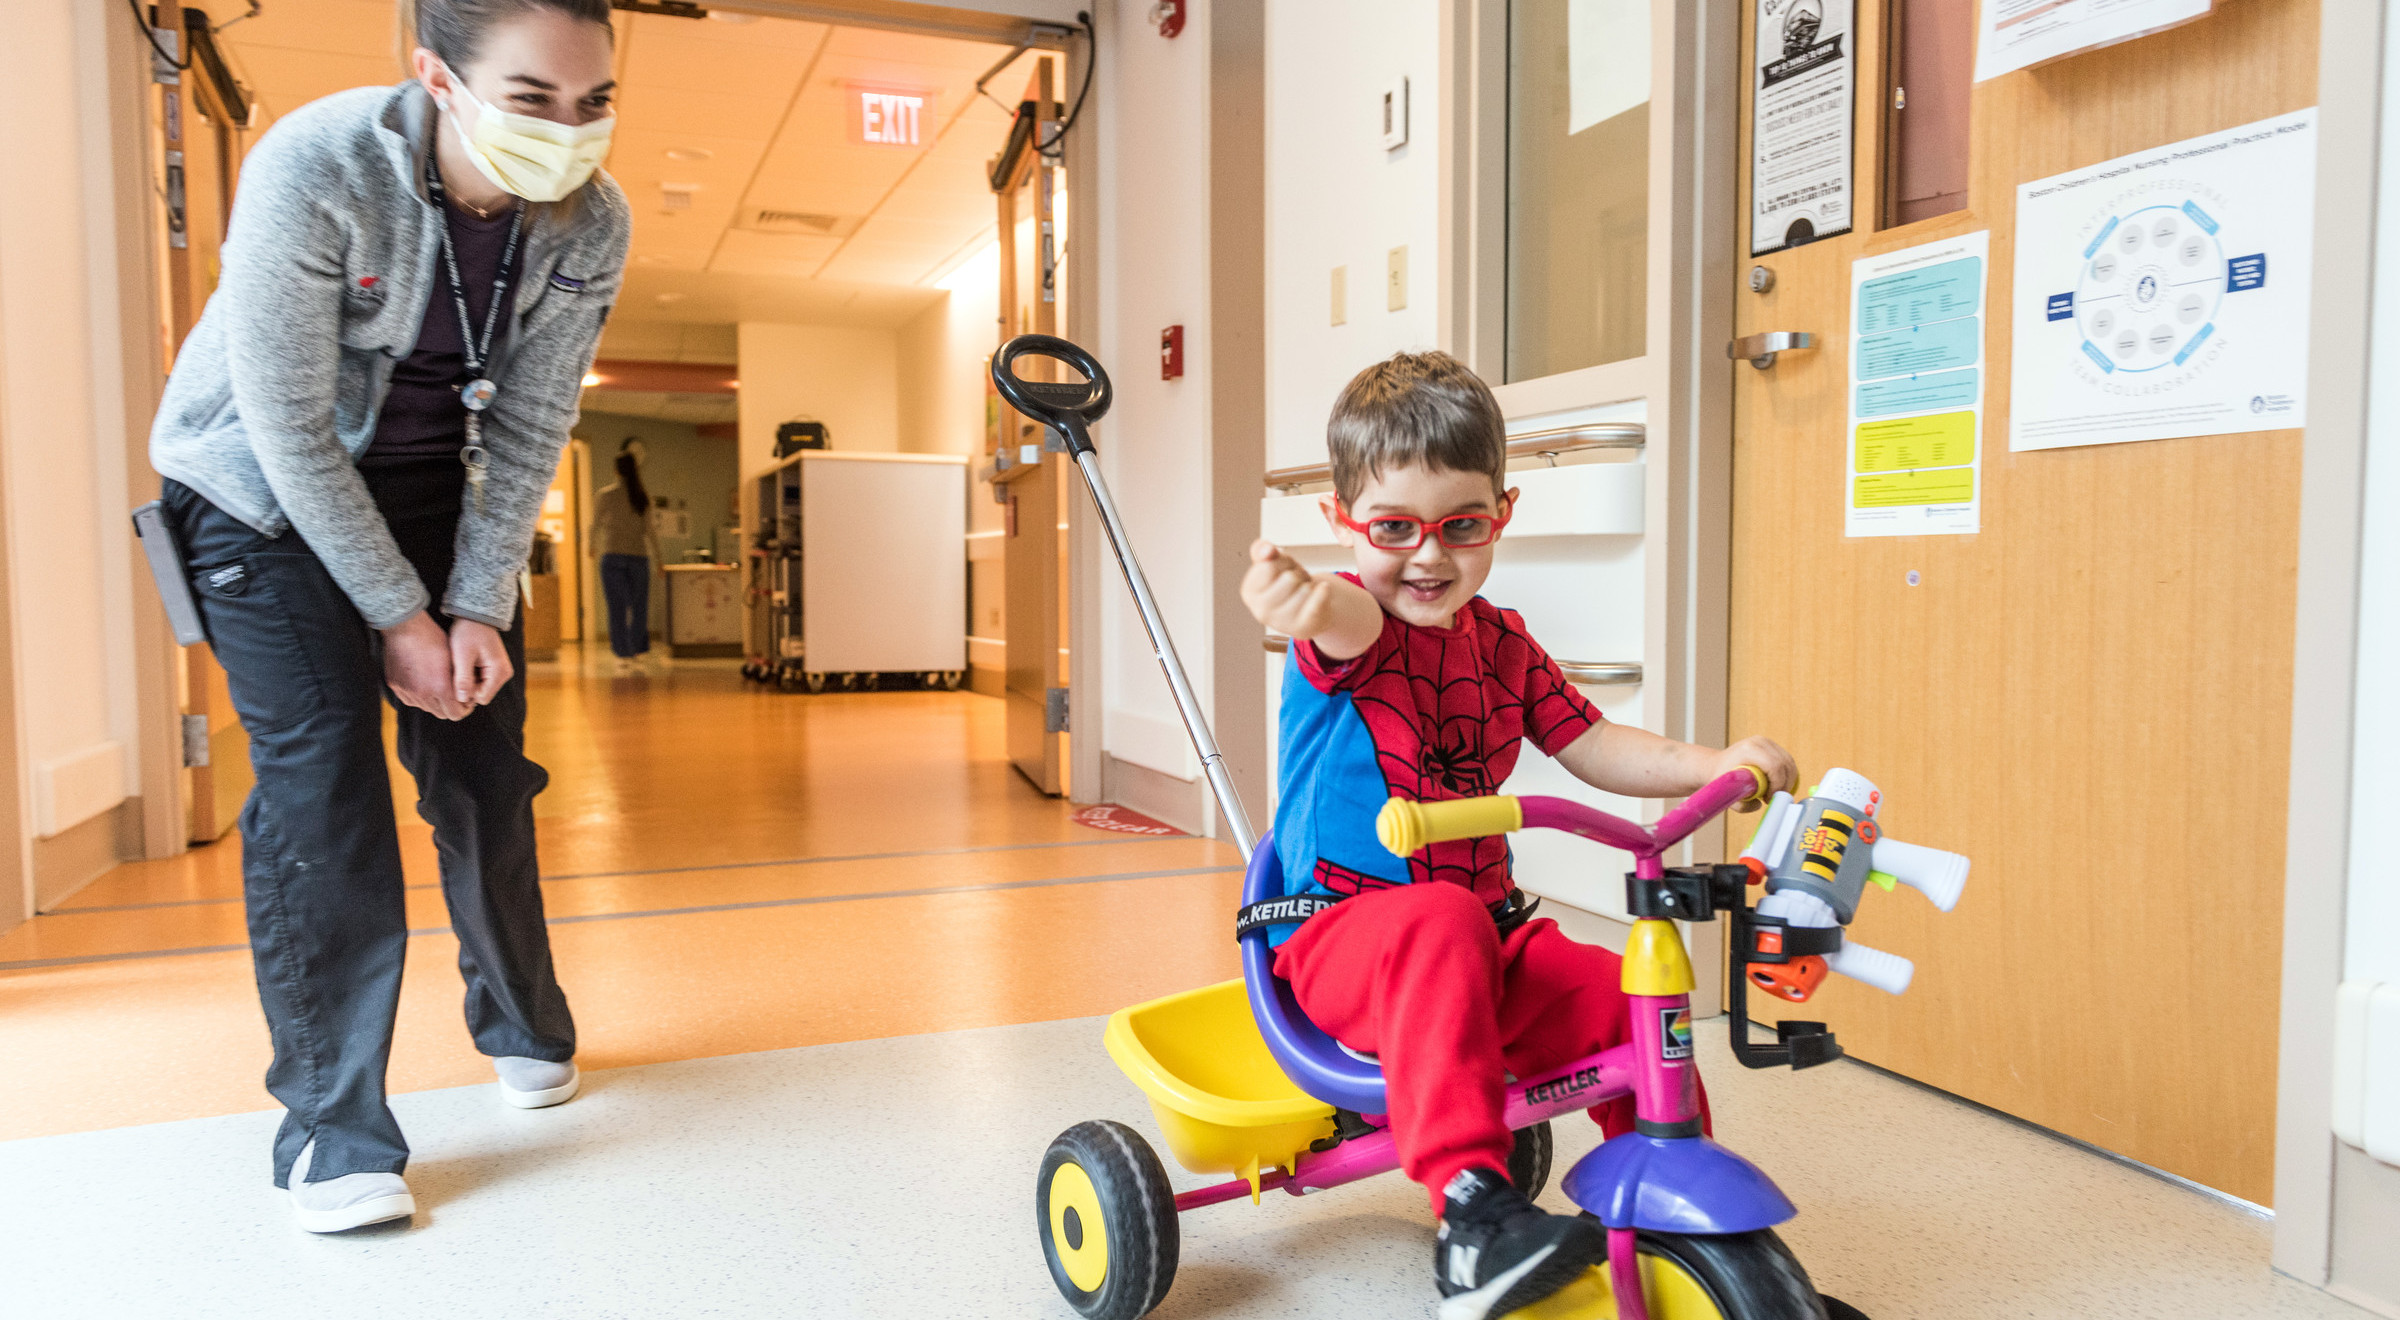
x: 353, y: 1200
x: 536, y: 1083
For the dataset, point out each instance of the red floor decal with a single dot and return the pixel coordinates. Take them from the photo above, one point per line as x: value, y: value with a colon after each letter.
x: 1123, y: 820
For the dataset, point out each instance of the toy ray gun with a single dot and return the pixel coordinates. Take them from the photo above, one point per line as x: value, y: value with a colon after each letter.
x: 1817, y: 857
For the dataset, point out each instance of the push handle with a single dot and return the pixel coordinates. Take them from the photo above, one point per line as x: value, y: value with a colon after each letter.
x: 1067, y: 407
x: 1405, y: 827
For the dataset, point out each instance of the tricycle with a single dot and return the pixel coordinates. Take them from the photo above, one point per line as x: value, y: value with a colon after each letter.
x: 1241, y: 1083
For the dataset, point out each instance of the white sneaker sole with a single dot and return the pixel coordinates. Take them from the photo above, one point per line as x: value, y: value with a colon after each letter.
x: 556, y: 1095
x: 382, y: 1209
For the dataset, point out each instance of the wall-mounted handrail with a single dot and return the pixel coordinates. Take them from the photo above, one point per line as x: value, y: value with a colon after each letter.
x: 1532, y: 444
x: 1594, y: 673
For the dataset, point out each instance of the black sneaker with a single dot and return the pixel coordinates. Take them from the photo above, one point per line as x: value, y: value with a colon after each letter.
x: 1496, y: 1251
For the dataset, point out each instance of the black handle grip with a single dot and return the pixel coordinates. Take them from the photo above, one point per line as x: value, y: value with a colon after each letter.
x: 1067, y: 407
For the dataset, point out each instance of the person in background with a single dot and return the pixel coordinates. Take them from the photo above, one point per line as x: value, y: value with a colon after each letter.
x: 622, y: 538
x: 357, y: 440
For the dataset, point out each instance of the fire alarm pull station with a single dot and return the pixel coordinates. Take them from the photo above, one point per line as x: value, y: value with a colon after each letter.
x: 1167, y: 17
x: 1170, y: 353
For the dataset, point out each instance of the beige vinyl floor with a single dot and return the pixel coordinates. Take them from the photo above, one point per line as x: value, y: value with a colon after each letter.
x: 894, y: 1178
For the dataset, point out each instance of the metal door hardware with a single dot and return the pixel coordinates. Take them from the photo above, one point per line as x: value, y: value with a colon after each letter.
x: 1054, y: 710
x: 1761, y: 348
x: 1761, y: 279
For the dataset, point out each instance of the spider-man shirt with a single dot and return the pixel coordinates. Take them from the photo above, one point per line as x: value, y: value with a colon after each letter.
x: 1426, y: 714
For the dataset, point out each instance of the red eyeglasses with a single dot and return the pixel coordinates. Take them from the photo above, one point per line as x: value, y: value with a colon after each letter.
x: 1399, y: 531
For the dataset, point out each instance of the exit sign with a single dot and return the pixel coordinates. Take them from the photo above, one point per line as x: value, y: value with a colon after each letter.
x: 888, y: 116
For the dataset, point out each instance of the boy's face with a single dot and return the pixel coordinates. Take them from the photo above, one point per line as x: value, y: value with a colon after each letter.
x: 1429, y: 584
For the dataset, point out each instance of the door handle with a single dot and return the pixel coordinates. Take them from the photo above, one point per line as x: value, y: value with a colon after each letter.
x: 1761, y: 348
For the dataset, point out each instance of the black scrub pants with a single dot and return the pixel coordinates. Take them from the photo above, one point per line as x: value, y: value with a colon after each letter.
x: 320, y: 847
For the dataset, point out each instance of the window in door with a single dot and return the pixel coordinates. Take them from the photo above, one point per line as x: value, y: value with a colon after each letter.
x: 1578, y: 184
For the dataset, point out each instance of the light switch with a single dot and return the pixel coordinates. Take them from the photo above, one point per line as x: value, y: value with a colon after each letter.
x: 1395, y: 279
x: 1341, y: 295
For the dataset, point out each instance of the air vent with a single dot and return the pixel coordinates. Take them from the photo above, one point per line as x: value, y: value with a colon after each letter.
x: 676, y: 196
x: 803, y: 222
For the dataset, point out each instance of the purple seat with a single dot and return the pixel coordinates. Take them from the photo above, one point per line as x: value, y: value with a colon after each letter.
x: 1308, y: 1056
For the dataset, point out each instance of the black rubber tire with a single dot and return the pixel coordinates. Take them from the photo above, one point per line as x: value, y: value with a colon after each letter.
x: 1529, y: 1162
x: 1137, y: 1211
x: 1750, y: 1276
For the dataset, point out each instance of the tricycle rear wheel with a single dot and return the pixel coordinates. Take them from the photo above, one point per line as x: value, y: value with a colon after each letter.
x: 1529, y: 1161
x: 1107, y: 1219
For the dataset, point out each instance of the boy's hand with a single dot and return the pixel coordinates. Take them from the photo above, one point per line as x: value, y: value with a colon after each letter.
x: 1338, y: 616
x: 1765, y: 753
x: 1283, y: 595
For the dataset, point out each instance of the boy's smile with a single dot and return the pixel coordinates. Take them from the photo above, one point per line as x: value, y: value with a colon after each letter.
x: 1428, y: 585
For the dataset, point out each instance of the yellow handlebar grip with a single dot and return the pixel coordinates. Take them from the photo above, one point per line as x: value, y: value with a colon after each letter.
x: 1405, y: 826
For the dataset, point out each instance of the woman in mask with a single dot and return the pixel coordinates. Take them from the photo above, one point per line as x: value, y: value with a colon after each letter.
x: 357, y: 439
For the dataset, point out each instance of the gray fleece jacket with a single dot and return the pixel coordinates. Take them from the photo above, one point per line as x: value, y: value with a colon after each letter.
x: 326, y: 275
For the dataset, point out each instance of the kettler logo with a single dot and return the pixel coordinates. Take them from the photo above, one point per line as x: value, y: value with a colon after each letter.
x: 1287, y: 909
x: 1583, y: 1079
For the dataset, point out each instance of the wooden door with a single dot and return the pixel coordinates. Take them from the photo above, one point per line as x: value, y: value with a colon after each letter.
x: 2090, y: 696
x: 201, y: 155
x: 1033, y: 562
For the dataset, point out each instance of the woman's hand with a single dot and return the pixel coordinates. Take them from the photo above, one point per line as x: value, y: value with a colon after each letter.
x: 417, y: 666
x: 478, y: 663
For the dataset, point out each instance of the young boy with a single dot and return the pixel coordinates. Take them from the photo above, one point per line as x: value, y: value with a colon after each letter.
x: 1403, y: 682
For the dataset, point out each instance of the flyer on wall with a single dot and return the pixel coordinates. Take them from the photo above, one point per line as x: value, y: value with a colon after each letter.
x: 2165, y: 293
x: 1801, y: 123
x: 2018, y: 34
x: 1916, y: 390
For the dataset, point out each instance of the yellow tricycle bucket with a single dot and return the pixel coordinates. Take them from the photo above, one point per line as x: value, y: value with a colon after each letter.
x: 1221, y: 1100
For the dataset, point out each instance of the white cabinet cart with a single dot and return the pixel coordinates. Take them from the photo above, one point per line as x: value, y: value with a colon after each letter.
x: 857, y: 571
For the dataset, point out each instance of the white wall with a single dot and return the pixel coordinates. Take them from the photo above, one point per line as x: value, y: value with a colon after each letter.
x: 846, y: 377
x: 1154, y: 273
x: 61, y: 427
x: 941, y: 357
x: 1335, y: 197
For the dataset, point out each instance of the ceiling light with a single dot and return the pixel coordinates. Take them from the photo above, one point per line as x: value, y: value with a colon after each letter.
x: 670, y: 297
x: 590, y: 378
x: 689, y: 153
x: 652, y: 259
x: 724, y: 17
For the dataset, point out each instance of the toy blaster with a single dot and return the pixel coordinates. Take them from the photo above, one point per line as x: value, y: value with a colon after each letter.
x: 1817, y: 858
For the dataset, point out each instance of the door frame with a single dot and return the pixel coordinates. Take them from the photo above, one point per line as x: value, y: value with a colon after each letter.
x: 2317, y: 853
x: 1684, y: 379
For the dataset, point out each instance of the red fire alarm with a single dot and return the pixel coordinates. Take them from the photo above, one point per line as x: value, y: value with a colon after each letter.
x: 1170, y: 353
x: 1167, y: 17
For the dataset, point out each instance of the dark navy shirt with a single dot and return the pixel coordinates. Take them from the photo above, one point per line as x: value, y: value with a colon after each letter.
x: 422, y: 416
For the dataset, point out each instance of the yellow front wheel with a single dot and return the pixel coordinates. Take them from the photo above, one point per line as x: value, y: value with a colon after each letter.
x: 1107, y: 1217
x: 1738, y: 1276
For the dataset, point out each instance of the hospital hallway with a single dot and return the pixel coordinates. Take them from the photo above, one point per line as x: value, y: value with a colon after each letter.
x: 840, y: 975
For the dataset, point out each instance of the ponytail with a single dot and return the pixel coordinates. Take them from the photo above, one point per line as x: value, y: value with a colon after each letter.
x: 629, y: 472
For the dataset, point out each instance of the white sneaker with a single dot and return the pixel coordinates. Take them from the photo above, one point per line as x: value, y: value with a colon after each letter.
x: 536, y: 1083
x: 353, y: 1200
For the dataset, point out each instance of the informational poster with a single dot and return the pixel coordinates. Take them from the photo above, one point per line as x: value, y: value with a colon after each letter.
x: 1916, y: 390
x: 2165, y: 293
x: 2018, y: 34
x: 1802, y: 125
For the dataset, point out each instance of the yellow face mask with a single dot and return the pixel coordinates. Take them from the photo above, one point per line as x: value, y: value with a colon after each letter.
x: 537, y: 159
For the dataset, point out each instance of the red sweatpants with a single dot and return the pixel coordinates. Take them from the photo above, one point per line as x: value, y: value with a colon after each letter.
x: 1419, y: 977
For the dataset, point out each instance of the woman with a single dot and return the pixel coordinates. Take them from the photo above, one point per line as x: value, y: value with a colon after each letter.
x: 357, y: 438
x: 622, y: 539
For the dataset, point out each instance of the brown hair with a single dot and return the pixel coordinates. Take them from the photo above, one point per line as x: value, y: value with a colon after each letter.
x: 456, y: 29
x: 1415, y: 409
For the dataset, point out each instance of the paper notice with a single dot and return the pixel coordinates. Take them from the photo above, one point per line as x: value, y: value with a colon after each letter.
x: 2018, y: 34
x: 2165, y: 293
x: 1801, y: 125
x: 1916, y: 390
